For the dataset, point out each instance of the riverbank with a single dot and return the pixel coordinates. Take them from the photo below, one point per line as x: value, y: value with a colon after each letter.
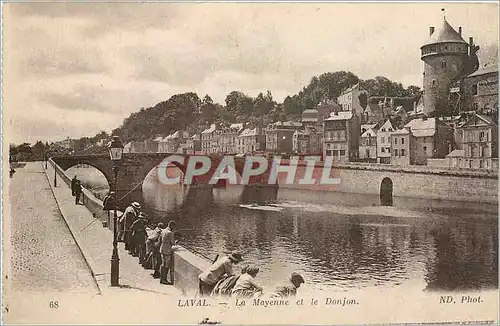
x: 85, y: 223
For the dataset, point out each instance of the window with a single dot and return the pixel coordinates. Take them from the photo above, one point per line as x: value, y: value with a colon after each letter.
x: 402, y: 152
x: 382, y: 150
x: 396, y: 152
x: 446, y: 47
x: 395, y: 141
x: 367, y: 152
x: 443, y: 64
x: 402, y: 141
x: 474, y: 90
x: 481, y: 136
x: 382, y: 140
x: 425, y: 150
x: 434, y: 83
x: 388, y: 149
x: 342, y: 152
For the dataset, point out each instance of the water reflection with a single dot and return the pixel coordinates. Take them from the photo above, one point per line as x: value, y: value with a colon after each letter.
x: 443, y: 248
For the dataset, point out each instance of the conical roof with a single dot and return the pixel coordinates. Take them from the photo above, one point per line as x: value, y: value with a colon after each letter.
x: 445, y: 33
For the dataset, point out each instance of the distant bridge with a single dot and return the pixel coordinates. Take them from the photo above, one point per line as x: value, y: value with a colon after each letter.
x: 135, y: 167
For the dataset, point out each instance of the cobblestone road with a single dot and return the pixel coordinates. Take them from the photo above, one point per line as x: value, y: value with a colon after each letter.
x: 43, y: 256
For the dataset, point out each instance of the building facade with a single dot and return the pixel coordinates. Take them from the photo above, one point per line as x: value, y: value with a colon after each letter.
x: 480, y: 135
x: 368, y: 145
x: 384, y: 142
x: 251, y: 141
x: 402, y: 151
x: 279, y: 137
x: 341, y: 136
x: 350, y: 100
x: 432, y: 139
x: 209, y: 140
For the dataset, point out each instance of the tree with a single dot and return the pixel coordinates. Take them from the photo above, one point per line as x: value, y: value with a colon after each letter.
x: 207, y: 109
x: 291, y: 105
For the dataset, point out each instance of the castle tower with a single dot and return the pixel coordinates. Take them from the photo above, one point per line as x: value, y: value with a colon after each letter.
x: 446, y: 59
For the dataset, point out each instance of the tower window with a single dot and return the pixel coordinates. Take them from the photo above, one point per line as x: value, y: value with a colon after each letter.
x: 443, y: 64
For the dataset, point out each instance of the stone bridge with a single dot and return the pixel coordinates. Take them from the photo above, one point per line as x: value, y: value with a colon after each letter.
x: 135, y: 167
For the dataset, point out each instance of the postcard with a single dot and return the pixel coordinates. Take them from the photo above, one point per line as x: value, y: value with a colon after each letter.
x: 250, y: 163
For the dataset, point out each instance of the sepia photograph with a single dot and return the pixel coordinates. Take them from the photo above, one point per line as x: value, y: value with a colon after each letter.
x: 250, y: 163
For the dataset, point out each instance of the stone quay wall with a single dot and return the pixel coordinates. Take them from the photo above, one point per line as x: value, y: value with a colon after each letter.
x: 411, y: 181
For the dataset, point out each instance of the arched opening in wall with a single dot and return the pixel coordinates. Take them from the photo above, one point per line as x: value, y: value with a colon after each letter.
x: 161, y: 195
x: 92, y: 179
x: 386, y: 192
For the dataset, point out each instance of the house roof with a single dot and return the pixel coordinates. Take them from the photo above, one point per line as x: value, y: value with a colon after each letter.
x: 342, y: 115
x: 401, y: 132
x: 429, y: 123
x: 350, y: 89
x: 485, y: 119
x: 485, y: 70
x: 443, y: 34
x: 456, y: 153
x: 368, y: 126
x: 310, y: 111
x: 424, y: 132
x: 386, y: 125
x: 209, y: 130
x: 159, y: 138
x: 249, y: 132
x: 369, y: 133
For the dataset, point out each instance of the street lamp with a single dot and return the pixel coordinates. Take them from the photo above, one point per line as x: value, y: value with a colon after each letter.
x: 115, y: 148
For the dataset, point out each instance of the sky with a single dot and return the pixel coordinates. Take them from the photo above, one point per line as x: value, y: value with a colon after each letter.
x: 72, y: 70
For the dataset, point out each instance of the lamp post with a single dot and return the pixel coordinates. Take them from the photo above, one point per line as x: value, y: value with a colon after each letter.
x: 115, y: 148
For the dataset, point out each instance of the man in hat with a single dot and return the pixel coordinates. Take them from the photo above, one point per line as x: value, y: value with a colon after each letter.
x: 167, y: 241
x: 129, y: 216
x: 288, y: 288
x: 155, y: 242
x: 78, y: 191
x: 222, y: 266
x: 139, y: 237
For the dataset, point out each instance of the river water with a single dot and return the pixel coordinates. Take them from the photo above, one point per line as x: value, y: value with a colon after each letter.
x: 336, y: 241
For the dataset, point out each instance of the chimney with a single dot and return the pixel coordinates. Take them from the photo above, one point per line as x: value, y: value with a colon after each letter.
x: 460, y: 30
x: 471, y: 41
x: 431, y: 30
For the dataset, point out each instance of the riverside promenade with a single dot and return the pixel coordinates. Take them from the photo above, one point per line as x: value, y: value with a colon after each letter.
x: 96, y: 244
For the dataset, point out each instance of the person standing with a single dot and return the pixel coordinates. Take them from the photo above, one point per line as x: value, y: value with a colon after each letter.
x: 288, y: 288
x: 155, y: 242
x: 167, y: 241
x: 129, y: 216
x: 222, y: 266
x: 78, y: 192
x: 73, y: 186
x: 108, y: 204
x: 139, y: 237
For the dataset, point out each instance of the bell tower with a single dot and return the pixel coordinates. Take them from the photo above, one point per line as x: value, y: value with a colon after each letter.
x: 446, y: 58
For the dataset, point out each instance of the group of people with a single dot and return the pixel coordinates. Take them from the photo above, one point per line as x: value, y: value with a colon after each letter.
x: 151, y: 243
x: 220, y: 279
x: 76, y: 189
